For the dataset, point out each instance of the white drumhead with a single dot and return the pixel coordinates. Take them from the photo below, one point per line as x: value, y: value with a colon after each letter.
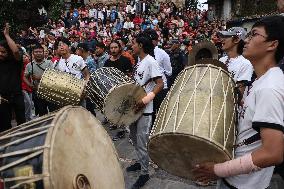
x: 120, y: 103
x: 81, y: 153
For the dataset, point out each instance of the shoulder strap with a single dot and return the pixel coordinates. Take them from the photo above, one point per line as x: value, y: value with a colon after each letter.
x: 250, y: 140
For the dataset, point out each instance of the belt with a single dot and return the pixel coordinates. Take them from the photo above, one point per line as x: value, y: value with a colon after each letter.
x: 147, y: 114
x: 228, y: 185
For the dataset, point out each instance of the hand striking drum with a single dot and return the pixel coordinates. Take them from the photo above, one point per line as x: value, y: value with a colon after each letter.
x: 196, y: 121
x: 67, y: 149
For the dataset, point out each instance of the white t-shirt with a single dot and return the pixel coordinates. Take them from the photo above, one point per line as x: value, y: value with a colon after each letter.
x: 239, y: 67
x: 263, y: 107
x: 164, y: 63
x: 73, y: 65
x: 146, y: 70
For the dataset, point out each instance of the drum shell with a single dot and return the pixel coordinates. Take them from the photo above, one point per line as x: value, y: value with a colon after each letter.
x: 61, y: 88
x: 196, y: 121
x: 73, y: 147
x: 115, y: 95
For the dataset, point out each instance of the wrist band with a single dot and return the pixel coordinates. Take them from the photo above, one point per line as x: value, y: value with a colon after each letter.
x: 239, y: 166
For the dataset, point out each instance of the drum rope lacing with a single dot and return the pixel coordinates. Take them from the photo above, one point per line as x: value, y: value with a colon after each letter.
x: 176, y: 103
x: 94, y: 90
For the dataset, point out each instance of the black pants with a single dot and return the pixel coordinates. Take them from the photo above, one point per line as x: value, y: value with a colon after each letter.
x: 90, y: 106
x: 16, y: 103
x: 42, y: 106
x: 157, y: 102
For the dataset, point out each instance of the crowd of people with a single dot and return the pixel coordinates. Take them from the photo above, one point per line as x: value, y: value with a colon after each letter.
x: 150, y: 42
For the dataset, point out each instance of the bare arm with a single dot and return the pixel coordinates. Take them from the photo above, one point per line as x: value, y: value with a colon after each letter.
x: 26, y: 80
x: 272, y: 149
x: 11, y: 43
x: 86, y: 74
x: 159, y: 85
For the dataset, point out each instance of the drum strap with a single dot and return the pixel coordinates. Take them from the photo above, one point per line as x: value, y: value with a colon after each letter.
x: 249, y: 140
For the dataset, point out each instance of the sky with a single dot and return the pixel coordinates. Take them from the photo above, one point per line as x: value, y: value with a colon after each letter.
x: 204, y: 6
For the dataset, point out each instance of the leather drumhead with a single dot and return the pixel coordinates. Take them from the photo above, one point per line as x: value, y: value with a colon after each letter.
x: 120, y: 102
x: 178, y: 153
x: 81, y: 153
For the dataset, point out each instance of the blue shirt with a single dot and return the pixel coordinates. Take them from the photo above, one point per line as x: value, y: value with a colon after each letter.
x: 90, y: 64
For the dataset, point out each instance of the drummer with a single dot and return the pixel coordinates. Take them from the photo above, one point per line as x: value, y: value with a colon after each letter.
x: 263, y: 115
x: 71, y: 63
x: 240, y: 68
x: 148, y: 75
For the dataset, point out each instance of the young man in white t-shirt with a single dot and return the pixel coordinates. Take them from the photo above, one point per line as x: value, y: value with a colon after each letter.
x: 70, y: 63
x: 262, y: 115
x: 148, y: 75
x: 240, y: 68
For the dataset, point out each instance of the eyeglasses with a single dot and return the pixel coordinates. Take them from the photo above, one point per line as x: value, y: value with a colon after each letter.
x: 252, y: 34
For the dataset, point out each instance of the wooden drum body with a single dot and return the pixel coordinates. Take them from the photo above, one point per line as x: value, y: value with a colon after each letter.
x: 61, y: 88
x: 115, y: 95
x: 196, y: 121
x: 65, y: 150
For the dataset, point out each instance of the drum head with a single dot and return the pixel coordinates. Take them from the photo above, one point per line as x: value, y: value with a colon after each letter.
x: 120, y: 102
x: 81, y: 153
x: 178, y: 153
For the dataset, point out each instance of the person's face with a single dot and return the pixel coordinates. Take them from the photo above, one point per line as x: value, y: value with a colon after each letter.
x: 136, y: 49
x: 227, y: 43
x: 3, y: 53
x: 63, y: 48
x: 114, y: 49
x: 99, y: 51
x: 79, y: 52
x: 38, y: 54
x: 280, y: 4
x: 256, y: 45
x: 26, y: 58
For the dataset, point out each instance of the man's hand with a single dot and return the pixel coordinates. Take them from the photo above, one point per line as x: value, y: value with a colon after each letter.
x: 204, y: 172
x: 139, y: 106
x: 6, y: 30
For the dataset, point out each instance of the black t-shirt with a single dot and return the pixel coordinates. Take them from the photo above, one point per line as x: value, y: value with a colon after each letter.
x: 123, y: 64
x: 10, y: 77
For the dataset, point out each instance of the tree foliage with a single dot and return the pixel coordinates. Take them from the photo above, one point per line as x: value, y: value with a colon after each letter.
x: 256, y: 7
x: 24, y: 13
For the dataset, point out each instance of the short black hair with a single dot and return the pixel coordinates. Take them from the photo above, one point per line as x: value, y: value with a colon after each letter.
x: 152, y: 34
x: 146, y: 43
x: 117, y: 42
x: 38, y: 46
x: 63, y: 40
x: 274, y: 27
x: 83, y: 46
x: 101, y: 45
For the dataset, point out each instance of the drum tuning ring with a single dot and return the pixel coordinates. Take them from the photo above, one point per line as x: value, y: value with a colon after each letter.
x: 81, y: 182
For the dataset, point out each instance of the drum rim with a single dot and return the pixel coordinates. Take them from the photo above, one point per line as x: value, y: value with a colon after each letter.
x: 208, y: 65
x: 47, y: 163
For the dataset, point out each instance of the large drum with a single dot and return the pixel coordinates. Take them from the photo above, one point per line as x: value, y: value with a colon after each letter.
x: 115, y: 95
x: 65, y: 150
x: 61, y: 88
x: 196, y: 121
